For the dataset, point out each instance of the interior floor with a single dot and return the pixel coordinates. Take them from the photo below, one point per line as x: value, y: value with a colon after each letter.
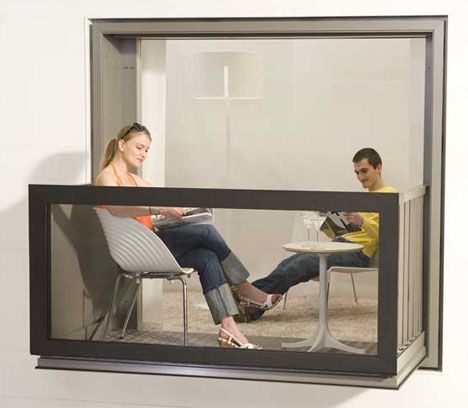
x: 353, y: 323
x: 210, y: 340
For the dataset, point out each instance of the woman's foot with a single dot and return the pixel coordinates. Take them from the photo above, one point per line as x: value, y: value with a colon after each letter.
x: 270, y: 302
x: 250, y: 296
x: 231, y: 337
x: 228, y: 340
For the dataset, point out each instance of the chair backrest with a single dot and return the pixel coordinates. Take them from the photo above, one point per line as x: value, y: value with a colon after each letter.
x: 134, y: 247
x: 374, y: 261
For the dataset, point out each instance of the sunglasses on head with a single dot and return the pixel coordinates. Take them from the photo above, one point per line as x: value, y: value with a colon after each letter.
x: 136, y: 127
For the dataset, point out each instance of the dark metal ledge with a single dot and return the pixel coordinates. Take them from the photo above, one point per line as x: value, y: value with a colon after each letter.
x: 284, y: 376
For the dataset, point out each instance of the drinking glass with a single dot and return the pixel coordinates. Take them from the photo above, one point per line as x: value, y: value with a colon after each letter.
x: 314, y: 218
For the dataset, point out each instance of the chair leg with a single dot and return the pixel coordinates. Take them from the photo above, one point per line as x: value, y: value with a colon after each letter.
x: 185, y: 307
x: 354, y: 288
x: 137, y: 285
x: 112, y: 306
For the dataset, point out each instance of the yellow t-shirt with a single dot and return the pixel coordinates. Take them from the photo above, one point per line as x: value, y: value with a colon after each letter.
x: 368, y: 236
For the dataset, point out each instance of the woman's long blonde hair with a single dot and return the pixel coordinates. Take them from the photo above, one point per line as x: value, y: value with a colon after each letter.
x: 126, y: 133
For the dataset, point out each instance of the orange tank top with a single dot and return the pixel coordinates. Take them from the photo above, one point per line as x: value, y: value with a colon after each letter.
x: 144, y: 219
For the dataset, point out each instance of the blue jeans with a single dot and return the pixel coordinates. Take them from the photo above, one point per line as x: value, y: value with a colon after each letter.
x: 303, y: 267
x: 198, y: 246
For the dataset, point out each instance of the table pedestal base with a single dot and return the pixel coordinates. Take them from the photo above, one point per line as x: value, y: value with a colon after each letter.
x: 321, y: 340
x: 322, y: 337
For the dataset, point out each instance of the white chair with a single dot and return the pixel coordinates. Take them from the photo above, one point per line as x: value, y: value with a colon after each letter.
x: 373, y: 267
x: 142, y: 255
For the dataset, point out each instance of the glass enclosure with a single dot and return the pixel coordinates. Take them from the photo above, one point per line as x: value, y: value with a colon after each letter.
x: 256, y: 121
x: 83, y: 274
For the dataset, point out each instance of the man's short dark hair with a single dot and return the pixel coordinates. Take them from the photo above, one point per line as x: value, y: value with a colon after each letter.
x: 370, y: 154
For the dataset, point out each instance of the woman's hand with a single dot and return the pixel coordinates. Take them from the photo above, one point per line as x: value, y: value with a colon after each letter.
x: 355, y: 219
x: 172, y: 212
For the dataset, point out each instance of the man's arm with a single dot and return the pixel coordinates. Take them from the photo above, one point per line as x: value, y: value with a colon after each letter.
x: 371, y: 224
x: 367, y: 221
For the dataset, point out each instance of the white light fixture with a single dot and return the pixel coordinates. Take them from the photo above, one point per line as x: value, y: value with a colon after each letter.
x: 228, y: 76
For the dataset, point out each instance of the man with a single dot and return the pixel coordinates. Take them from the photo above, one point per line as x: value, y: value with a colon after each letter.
x: 303, y: 267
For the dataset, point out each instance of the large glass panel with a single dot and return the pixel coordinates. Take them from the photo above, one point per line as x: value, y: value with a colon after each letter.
x: 273, y: 249
x: 283, y: 114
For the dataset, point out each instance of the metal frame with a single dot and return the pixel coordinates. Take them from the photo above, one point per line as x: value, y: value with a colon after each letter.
x: 382, y: 364
x: 138, y: 277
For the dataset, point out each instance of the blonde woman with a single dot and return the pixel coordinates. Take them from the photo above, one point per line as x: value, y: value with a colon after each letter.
x: 198, y: 246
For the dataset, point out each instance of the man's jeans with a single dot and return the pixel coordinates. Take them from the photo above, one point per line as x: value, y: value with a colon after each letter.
x: 303, y: 267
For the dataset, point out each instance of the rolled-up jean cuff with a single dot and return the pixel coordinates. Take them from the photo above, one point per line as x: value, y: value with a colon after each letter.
x: 234, y: 269
x: 221, y: 303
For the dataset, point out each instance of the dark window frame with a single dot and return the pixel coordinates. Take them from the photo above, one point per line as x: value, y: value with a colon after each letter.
x: 387, y: 204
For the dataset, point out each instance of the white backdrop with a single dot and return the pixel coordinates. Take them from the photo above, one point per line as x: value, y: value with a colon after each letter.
x: 44, y: 134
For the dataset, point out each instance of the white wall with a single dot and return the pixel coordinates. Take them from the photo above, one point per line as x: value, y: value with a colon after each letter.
x: 43, y: 138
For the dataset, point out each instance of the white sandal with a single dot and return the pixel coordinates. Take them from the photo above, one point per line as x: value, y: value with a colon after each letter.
x: 233, y: 342
x: 266, y: 305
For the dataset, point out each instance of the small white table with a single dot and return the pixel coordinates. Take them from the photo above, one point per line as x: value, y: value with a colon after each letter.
x: 322, y: 337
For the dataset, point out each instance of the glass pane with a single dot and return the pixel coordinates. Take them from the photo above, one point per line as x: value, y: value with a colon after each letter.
x: 268, y: 251
x: 284, y: 114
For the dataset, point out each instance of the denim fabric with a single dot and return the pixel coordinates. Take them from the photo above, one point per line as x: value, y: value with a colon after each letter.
x: 234, y: 269
x: 221, y: 303
x: 182, y: 239
x: 303, y: 267
x: 207, y: 264
x: 198, y: 246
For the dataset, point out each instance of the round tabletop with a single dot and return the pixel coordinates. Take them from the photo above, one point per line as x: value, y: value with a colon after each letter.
x: 322, y: 247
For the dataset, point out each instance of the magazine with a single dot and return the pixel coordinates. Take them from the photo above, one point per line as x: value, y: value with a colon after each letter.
x: 192, y: 216
x: 337, y: 224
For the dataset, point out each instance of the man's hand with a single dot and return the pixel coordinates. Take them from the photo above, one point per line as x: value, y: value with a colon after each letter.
x: 172, y: 212
x: 355, y: 219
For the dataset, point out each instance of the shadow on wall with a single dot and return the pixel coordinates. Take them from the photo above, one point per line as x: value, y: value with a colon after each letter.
x: 84, y: 272
x: 81, y: 269
x: 61, y: 168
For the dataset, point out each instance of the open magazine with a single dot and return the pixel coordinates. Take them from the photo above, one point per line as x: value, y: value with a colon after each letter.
x: 337, y: 224
x: 192, y: 216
